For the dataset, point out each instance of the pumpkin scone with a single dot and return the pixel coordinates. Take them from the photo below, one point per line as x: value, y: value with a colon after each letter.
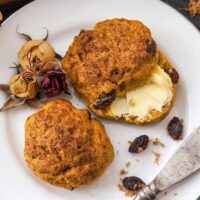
x: 65, y: 147
x: 118, y: 71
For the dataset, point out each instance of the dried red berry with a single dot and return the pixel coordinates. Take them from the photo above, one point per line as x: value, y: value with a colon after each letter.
x: 139, y: 144
x: 54, y: 83
x: 175, y: 128
x: 133, y: 183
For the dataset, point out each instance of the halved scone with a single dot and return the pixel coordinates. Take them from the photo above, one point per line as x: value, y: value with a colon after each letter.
x: 119, y: 73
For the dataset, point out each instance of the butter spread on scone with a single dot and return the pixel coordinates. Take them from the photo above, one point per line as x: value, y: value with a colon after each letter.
x: 153, y: 95
x: 65, y: 147
x: 118, y: 71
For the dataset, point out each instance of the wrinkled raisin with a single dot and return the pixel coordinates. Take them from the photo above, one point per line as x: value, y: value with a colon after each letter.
x: 105, y: 100
x: 151, y: 48
x: 175, y: 128
x: 139, y: 144
x: 89, y: 115
x: 173, y: 75
x: 133, y: 183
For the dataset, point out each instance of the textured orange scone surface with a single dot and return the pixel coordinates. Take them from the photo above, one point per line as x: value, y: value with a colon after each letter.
x: 114, y: 52
x: 65, y: 147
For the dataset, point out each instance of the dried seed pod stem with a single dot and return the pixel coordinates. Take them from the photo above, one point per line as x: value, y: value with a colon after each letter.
x: 25, y: 36
x: 47, y: 34
x: 12, y: 102
x: 17, y: 67
x: 58, y: 56
x: 34, y: 103
x: 5, y: 88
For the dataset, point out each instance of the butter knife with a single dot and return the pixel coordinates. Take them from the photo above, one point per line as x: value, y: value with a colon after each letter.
x: 182, y: 164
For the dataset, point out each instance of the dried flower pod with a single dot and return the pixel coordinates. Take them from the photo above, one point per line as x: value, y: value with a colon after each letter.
x: 24, y: 85
x: 37, y: 56
x: 5, y: 88
x: 54, y: 83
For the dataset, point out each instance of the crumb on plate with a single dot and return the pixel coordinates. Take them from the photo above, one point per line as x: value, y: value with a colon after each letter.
x: 123, y: 172
x: 157, y: 142
x: 128, y: 164
x: 128, y: 193
x: 157, y: 157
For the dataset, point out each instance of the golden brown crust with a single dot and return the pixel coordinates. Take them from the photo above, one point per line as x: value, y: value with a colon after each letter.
x: 118, y: 55
x: 65, y: 147
x: 153, y: 116
x: 114, y: 52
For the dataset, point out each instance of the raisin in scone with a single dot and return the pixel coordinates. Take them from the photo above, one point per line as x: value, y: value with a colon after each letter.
x: 118, y: 71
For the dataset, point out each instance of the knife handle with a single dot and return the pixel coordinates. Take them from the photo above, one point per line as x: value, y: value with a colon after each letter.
x: 149, y: 192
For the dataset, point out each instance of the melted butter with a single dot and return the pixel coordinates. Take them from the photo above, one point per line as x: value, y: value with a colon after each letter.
x: 139, y: 102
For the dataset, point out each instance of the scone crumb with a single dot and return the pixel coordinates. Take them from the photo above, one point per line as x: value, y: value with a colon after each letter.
x: 157, y: 157
x: 175, y: 194
x: 137, y: 160
x: 156, y: 142
x: 128, y: 193
x: 123, y: 172
x: 128, y: 164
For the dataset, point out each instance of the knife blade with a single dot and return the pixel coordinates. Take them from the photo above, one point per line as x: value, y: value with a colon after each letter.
x: 198, y: 198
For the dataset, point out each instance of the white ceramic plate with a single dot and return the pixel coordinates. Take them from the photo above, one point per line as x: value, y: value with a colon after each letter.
x: 175, y: 36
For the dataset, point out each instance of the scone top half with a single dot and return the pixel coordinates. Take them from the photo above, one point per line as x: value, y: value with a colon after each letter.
x: 109, y: 66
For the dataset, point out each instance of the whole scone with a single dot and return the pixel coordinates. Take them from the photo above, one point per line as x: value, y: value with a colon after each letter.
x: 117, y: 57
x: 65, y: 147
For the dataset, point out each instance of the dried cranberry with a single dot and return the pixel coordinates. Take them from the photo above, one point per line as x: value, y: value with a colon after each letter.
x: 139, y: 144
x: 133, y: 183
x: 105, y: 100
x: 175, y: 128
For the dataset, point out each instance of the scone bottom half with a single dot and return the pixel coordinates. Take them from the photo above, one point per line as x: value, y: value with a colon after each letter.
x: 65, y: 147
x: 149, y: 101
x: 118, y: 71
